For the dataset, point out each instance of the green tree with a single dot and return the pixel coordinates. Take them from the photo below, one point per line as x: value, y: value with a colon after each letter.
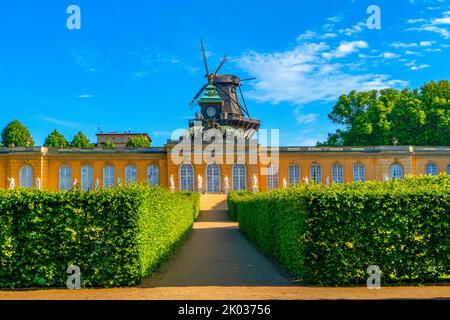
x: 109, y: 144
x: 80, y: 141
x: 138, y: 142
x: 378, y: 117
x: 56, y: 140
x: 15, y: 134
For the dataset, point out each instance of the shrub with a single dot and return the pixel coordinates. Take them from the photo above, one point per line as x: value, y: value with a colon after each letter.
x: 232, y: 197
x: 329, y: 236
x: 116, y: 236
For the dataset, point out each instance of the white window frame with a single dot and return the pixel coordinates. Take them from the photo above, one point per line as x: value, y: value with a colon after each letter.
x: 359, y: 172
x: 293, y: 174
x: 272, y: 177
x: 87, y: 177
x: 186, y: 173
x: 109, y: 176
x: 337, y: 173
x: 130, y: 174
x: 153, y: 175
x: 316, y: 173
x: 396, y: 171
x: 212, y: 172
x: 239, y: 177
x: 65, y: 177
x: 26, y: 176
x: 431, y: 169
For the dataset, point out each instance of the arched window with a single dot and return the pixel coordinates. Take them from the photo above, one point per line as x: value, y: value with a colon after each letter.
x: 396, y: 171
x: 431, y: 169
x: 212, y: 178
x: 337, y: 173
x: 186, y: 177
x: 359, y: 172
x: 26, y: 177
x: 316, y: 173
x: 87, y: 177
x: 130, y: 174
x: 239, y: 177
x: 272, y: 177
x: 65, y: 177
x: 109, y: 176
x: 293, y: 174
x: 152, y: 175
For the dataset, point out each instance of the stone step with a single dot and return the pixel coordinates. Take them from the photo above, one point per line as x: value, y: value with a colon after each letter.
x: 213, y: 202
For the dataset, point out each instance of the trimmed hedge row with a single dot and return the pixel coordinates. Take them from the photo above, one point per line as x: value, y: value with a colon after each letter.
x: 116, y: 236
x: 329, y: 236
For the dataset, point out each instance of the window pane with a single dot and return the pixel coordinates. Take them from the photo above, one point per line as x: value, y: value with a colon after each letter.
x: 152, y: 175
x: 337, y: 173
x: 65, y: 178
x: 26, y: 177
x: 431, y: 169
x: 294, y: 174
x: 130, y: 174
x: 396, y: 172
x: 109, y: 176
x: 316, y: 173
x: 213, y: 178
x: 359, y: 174
x: 87, y: 178
x: 186, y: 177
x: 272, y: 177
x: 239, y: 177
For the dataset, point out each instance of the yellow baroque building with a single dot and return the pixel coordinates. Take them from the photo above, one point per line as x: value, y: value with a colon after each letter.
x: 61, y: 169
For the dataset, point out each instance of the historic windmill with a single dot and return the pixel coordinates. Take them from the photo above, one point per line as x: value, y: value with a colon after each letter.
x: 219, y: 104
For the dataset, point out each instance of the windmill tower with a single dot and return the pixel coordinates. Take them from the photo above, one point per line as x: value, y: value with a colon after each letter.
x: 220, y: 106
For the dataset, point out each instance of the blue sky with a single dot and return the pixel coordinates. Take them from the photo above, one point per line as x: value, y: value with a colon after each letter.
x: 136, y: 64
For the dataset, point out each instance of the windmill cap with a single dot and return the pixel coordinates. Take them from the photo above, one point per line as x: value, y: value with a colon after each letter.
x: 227, y: 78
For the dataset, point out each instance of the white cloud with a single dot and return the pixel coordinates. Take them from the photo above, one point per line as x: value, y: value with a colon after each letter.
x: 58, y: 122
x: 445, y: 20
x: 412, y: 53
x: 85, y: 96
x: 426, y: 43
x: 434, y: 25
x: 415, y: 20
x: 306, y: 118
x: 310, y: 35
x: 389, y: 55
x: 398, y: 45
x: 357, y: 28
x: 345, y: 48
x: 419, y: 67
x: 308, y: 73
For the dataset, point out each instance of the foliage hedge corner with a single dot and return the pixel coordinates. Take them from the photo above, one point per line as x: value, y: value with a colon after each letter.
x: 329, y: 236
x: 116, y: 236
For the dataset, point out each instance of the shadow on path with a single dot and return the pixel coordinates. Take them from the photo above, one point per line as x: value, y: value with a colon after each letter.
x: 217, y: 254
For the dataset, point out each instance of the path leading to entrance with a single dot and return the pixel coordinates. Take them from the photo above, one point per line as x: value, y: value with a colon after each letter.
x: 217, y: 254
x: 217, y: 262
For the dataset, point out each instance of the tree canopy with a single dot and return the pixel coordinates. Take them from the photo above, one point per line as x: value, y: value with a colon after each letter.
x: 109, y: 144
x: 56, y: 140
x: 138, y: 142
x: 80, y: 141
x: 384, y: 117
x: 15, y: 134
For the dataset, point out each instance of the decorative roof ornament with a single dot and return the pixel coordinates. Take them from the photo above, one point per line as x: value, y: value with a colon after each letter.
x: 211, y: 95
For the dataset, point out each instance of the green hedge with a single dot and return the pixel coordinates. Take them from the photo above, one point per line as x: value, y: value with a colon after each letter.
x: 116, y: 236
x: 329, y: 236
